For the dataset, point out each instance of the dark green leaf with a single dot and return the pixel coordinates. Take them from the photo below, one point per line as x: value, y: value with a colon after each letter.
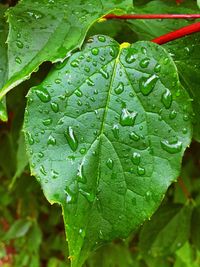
x: 106, y: 134
x: 185, y: 53
x: 149, y: 29
x: 195, y: 236
x: 3, y: 60
x: 167, y: 231
x: 48, y: 31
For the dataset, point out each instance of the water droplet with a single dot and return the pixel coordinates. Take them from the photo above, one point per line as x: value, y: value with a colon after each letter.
x: 120, y: 88
x: 51, y: 140
x: 82, y: 150
x: 104, y: 73
x: 87, y: 69
x: 115, y: 131
x: 127, y: 117
x: 185, y: 117
x: 130, y: 58
x: 184, y: 131
x: 19, y: 44
x: 89, y: 82
x: 172, y: 114
x: 171, y: 148
x: 134, y: 136
x: 157, y: 68
x: 57, y: 81
x: 43, y: 94
x: 148, y: 196
x: 101, y: 39
x: 18, y: 60
x: 71, y: 194
x: 42, y: 170
x: 71, y: 138
x: 166, y: 61
x: 140, y: 170
x: 136, y: 158
x: 110, y: 163
x: 47, y: 122
x: 54, y: 174
x: 167, y: 98
x: 82, y: 233
x: 88, y: 195
x: 80, y: 175
x: 144, y: 63
x: 41, y: 155
x: 95, y: 51
x: 54, y: 107
x: 78, y: 93
x: 74, y: 64
x: 30, y: 139
x: 147, y: 84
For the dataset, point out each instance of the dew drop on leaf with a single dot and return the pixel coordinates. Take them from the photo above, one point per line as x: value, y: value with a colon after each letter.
x: 51, y: 140
x: 171, y: 148
x: 95, y: 51
x: 127, y: 118
x: 148, y: 84
x: 71, y: 138
x: 88, y: 195
x: 104, y: 73
x: 47, y: 122
x: 55, y: 107
x: 71, y: 195
x: 136, y: 158
x: 167, y: 99
x: 110, y: 164
x: 43, y: 94
x: 80, y: 175
x: 74, y: 64
x: 172, y: 114
x: 42, y: 170
x: 101, y: 39
x: 144, y: 63
x: 115, y: 131
x: 140, y: 170
x: 18, y: 60
x: 119, y: 89
x: 157, y: 68
x: 134, y: 136
x: 30, y: 139
x: 19, y: 44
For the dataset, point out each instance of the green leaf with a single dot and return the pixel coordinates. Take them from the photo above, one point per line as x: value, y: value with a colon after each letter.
x: 3, y: 60
x: 18, y: 229
x: 195, y: 227
x: 185, y: 53
x: 105, y: 134
x: 49, y: 31
x: 186, y: 257
x: 148, y: 29
x: 160, y: 235
x: 21, y: 158
x: 198, y: 3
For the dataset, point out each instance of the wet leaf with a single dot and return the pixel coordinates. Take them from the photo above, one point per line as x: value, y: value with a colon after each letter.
x: 111, y: 148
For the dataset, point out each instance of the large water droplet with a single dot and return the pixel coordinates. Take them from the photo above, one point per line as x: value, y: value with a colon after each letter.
x: 136, y: 158
x: 80, y: 175
x: 134, y: 136
x: 147, y: 84
x: 171, y: 148
x: 119, y: 89
x: 144, y: 63
x: 71, y: 138
x: 95, y: 51
x: 115, y: 131
x: 43, y: 94
x: 167, y: 98
x: 127, y: 117
x: 110, y: 163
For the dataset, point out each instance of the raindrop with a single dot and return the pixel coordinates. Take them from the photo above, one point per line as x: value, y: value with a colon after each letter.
x: 130, y: 58
x: 42, y: 170
x: 157, y: 68
x: 184, y: 130
x: 19, y: 44
x: 89, y: 196
x: 136, y: 158
x: 140, y: 170
x: 82, y: 150
x: 104, y: 73
x: 115, y: 131
x: 82, y: 233
x: 74, y: 64
x: 80, y: 175
x: 101, y: 39
x: 119, y: 89
x: 78, y: 93
x: 54, y: 107
x: 147, y: 84
x: 30, y: 138
x: 95, y: 51
x: 110, y: 164
x: 171, y: 148
x: 144, y: 63
x: 71, y: 138
x: 71, y: 195
x: 18, y: 60
x: 47, y: 122
x: 43, y: 94
x: 134, y: 136
x: 57, y: 81
x: 167, y: 98
x: 54, y: 174
x: 172, y: 114
x: 41, y: 155
x: 51, y: 140
x: 89, y: 82
x: 148, y: 196
x: 127, y: 118
x: 87, y: 69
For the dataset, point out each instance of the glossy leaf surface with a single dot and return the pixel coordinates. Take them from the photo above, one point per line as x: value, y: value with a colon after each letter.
x: 105, y: 133
x: 185, y: 53
x: 49, y: 30
x: 3, y: 60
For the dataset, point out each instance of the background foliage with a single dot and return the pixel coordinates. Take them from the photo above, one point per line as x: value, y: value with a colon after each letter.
x: 32, y: 231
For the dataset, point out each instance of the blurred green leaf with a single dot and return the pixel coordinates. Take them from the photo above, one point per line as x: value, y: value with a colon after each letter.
x: 19, y: 229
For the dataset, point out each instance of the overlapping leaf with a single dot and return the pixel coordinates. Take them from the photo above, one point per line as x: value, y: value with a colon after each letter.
x: 106, y: 132
x: 185, y: 53
x: 3, y: 60
x: 148, y: 29
x: 48, y: 30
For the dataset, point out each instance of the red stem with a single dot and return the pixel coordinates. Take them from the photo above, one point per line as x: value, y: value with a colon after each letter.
x: 177, y: 34
x: 153, y: 16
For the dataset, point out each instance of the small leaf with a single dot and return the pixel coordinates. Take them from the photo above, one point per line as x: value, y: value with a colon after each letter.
x: 101, y: 156
x: 49, y: 31
x: 18, y: 229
